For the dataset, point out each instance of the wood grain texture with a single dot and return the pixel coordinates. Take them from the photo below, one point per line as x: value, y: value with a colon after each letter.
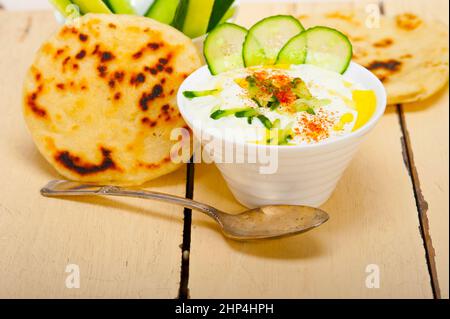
x: 428, y: 126
x: 373, y: 221
x: 125, y: 248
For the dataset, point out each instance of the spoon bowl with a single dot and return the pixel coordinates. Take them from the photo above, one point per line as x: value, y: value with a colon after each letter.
x: 271, y: 222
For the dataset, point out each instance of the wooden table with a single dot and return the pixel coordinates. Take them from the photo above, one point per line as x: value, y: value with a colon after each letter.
x: 390, y: 210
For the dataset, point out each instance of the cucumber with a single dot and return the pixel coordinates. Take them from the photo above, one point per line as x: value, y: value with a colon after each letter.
x: 223, y: 48
x: 163, y: 10
x: 217, y: 115
x: 120, y: 6
x: 294, y: 52
x: 61, y: 6
x: 192, y: 17
x: 249, y: 112
x: 267, y: 37
x: 180, y: 14
x: 301, y: 89
x: 92, y: 6
x: 219, y: 10
x: 328, y: 48
x: 194, y: 94
x: 228, y: 15
x: 265, y: 121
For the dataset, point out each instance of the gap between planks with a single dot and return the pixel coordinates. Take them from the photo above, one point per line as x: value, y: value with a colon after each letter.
x: 183, y: 292
x: 421, y: 203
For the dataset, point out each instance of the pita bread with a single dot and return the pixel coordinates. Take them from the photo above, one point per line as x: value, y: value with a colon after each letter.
x: 100, y: 98
x: 408, y: 54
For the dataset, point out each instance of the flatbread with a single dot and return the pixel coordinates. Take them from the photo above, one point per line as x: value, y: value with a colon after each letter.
x: 408, y: 54
x: 100, y: 98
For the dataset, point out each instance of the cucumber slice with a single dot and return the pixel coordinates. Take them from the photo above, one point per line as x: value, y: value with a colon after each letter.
x: 223, y: 48
x: 219, y: 10
x: 328, y: 48
x: 194, y: 17
x: 92, y: 6
x: 267, y: 37
x: 61, y: 6
x: 194, y: 94
x: 120, y: 6
x: 180, y: 14
x: 294, y: 52
x: 163, y: 10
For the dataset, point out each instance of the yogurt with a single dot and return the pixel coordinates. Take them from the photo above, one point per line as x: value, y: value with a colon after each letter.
x: 292, y: 105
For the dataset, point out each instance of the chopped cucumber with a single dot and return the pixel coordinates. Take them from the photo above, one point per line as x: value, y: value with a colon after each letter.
x: 302, y: 104
x: 273, y: 104
x: 280, y: 136
x: 219, y: 10
x: 276, y: 123
x: 194, y: 94
x: 311, y: 111
x: 294, y: 52
x: 265, y: 121
x: 216, y: 115
x: 61, y: 6
x: 120, y: 6
x: 328, y: 48
x: 301, y: 89
x: 267, y: 37
x: 223, y: 48
x: 194, y: 17
x: 163, y: 10
x: 92, y: 6
x: 285, y: 135
x: 250, y: 112
x: 219, y: 114
x: 180, y: 14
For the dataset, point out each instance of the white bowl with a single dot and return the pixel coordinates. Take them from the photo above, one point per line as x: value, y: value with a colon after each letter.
x: 307, y: 174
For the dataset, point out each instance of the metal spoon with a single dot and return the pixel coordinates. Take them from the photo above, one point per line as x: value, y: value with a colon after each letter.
x: 259, y: 223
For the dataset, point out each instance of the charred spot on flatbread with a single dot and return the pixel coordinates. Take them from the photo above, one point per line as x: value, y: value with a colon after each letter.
x: 384, y: 69
x: 82, y: 167
x: 408, y: 21
x: 384, y: 43
x: 32, y: 103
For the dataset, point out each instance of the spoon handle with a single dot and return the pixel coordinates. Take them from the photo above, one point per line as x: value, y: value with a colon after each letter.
x: 59, y: 188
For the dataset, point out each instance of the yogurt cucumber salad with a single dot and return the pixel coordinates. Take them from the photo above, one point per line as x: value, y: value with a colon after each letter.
x: 281, y: 81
